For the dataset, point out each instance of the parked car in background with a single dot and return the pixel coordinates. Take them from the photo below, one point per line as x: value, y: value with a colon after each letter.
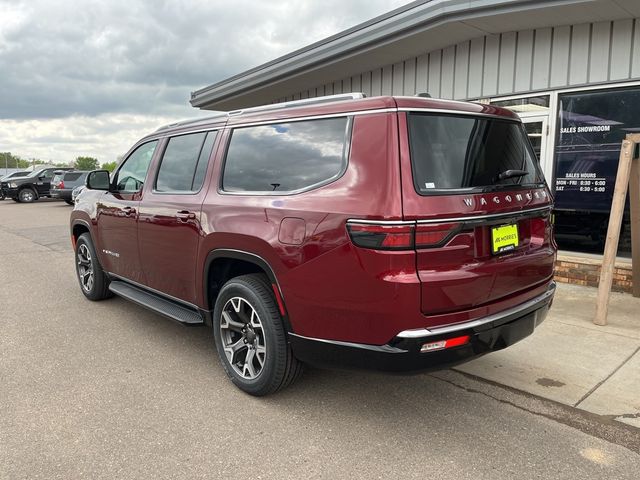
x: 30, y: 188
x: 7, y: 177
x: 64, y: 183
x: 392, y: 233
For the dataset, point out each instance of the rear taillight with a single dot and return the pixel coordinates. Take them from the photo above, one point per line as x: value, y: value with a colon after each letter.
x: 433, y: 235
x: 381, y: 237
x: 61, y: 184
x: 400, y: 235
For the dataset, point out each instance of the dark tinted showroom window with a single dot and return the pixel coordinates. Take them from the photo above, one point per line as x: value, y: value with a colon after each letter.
x: 184, y: 162
x: 285, y: 157
x: 451, y: 152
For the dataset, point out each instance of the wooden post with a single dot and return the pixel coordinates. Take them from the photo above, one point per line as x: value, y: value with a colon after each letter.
x: 623, y: 178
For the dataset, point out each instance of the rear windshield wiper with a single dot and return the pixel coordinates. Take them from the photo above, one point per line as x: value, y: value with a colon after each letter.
x: 511, y: 174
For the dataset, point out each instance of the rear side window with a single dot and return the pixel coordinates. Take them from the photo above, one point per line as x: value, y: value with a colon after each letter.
x: 184, y: 163
x: 454, y: 152
x: 286, y: 157
x: 72, y: 177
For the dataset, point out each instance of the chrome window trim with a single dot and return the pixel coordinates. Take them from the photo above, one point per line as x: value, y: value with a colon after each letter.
x: 430, y: 332
x: 490, y: 216
x: 459, y: 112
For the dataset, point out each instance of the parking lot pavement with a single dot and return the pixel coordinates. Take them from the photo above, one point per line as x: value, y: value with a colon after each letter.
x: 110, y: 390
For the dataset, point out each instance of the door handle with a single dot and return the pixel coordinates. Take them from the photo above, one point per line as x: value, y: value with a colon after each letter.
x: 128, y: 211
x: 185, y: 215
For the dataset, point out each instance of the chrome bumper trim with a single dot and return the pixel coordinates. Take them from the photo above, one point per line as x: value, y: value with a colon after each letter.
x: 538, y: 301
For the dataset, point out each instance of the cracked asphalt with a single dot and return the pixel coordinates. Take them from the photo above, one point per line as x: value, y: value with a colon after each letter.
x: 110, y: 390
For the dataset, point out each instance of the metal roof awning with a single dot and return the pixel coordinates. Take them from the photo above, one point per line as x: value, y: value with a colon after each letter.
x: 411, y: 30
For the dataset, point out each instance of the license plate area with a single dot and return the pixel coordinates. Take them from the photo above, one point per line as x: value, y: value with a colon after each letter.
x: 504, y: 238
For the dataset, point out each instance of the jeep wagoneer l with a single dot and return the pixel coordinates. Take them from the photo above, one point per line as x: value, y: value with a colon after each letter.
x: 391, y: 233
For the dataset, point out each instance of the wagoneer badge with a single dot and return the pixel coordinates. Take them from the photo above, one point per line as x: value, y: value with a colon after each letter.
x: 499, y: 199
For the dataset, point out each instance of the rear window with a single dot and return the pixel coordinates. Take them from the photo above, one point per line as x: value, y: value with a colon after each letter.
x: 72, y: 177
x: 286, y: 157
x: 460, y: 153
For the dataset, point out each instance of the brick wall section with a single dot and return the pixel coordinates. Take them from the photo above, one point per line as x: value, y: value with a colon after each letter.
x: 586, y: 271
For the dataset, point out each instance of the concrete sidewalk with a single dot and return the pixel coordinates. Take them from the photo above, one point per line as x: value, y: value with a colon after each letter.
x: 572, y: 361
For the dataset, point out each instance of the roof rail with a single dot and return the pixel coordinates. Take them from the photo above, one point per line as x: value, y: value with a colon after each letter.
x: 193, y: 121
x: 299, y: 103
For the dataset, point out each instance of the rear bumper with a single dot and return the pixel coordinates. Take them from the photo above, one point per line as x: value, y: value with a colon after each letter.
x: 61, y: 194
x: 402, y: 353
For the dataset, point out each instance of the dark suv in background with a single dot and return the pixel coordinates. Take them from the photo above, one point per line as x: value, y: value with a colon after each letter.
x: 6, y: 178
x: 31, y: 187
x: 63, y: 184
x: 393, y: 233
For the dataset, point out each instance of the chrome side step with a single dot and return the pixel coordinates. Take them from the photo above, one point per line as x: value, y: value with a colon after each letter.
x: 155, y: 302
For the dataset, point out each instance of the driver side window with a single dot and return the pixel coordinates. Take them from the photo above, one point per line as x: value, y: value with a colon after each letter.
x: 130, y: 176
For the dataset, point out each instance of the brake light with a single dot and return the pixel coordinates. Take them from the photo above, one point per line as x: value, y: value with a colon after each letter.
x: 434, y: 234
x: 61, y: 184
x: 381, y: 237
x: 444, y: 344
x: 400, y: 236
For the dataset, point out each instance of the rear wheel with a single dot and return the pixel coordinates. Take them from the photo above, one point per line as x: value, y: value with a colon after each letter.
x: 94, y: 283
x: 69, y: 202
x: 27, y: 195
x: 250, y: 337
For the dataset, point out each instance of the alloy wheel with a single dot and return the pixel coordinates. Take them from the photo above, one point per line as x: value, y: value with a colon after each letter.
x: 243, y: 338
x: 85, y: 267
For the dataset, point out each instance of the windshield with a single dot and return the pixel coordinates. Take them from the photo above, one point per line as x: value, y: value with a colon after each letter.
x: 35, y: 173
x: 451, y: 152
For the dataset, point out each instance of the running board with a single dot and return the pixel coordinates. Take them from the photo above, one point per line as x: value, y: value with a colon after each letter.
x: 155, y: 302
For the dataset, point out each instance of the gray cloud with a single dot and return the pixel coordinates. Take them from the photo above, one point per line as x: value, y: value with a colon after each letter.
x: 63, y: 58
x: 98, y: 62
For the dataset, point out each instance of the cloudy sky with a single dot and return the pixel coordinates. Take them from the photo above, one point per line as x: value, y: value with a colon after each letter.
x: 91, y: 77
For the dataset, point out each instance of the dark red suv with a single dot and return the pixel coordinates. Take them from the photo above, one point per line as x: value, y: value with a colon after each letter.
x: 393, y: 233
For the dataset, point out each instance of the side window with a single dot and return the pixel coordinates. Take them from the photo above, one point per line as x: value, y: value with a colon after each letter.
x: 184, y: 162
x: 47, y: 174
x: 286, y: 157
x: 130, y: 176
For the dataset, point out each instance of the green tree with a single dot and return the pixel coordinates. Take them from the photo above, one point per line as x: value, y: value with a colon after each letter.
x: 8, y: 160
x: 86, y: 163
x: 111, y: 166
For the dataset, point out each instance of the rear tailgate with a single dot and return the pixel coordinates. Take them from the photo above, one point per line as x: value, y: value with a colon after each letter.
x: 480, y: 236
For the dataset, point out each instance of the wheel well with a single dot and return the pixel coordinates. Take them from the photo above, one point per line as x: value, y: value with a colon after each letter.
x: 79, y: 229
x: 222, y: 270
x: 28, y: 187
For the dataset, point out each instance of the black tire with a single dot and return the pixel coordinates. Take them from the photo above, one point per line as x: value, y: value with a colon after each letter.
x: 27, y: 195
x: 69, y: 202
x: 15, y: 199
x: 280, y: 368
x: 85, y: 257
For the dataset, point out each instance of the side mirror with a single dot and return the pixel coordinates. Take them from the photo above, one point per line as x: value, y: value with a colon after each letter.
x: 98, y: 180
x: 41, y: 177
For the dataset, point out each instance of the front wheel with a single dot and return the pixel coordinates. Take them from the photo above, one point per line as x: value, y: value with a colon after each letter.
x: 250, y: 337
x: 27, y: 195
x: 94, y: 283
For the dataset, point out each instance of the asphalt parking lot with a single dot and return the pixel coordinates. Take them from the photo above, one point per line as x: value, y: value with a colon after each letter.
x: 110, y: 390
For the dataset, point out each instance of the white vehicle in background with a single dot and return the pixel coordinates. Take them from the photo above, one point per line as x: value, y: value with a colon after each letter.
x: 76, y: 191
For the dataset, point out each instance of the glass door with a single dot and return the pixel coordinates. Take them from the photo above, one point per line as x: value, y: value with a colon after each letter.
x: 538, y: 133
